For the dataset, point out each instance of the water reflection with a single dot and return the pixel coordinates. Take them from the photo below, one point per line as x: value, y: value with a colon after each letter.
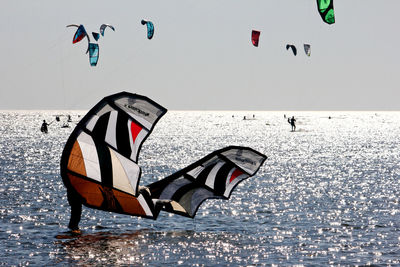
x: 155, y: 248
x: 328, y: 194
x: 101, y: 248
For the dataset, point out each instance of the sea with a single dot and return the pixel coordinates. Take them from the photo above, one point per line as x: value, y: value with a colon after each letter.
x: 328, y: 194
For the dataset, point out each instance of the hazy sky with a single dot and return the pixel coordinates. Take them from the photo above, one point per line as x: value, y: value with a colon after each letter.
x: 201, y: 56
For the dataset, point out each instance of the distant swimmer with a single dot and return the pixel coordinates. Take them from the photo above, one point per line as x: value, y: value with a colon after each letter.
x: 292, y: 121
x: 43, y: 128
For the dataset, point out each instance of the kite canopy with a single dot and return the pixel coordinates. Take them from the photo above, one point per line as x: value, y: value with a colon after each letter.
x: 99, y: 164
x: 255, y: 35
x: 325, y: 9
x: 103, y: 28
x: 99, y: 161
x: 79, y: 34
x: 150, y: 28
x: 96, y: 36
x: 215, y: 176
x: 93, y: 54
x: 307, y: 49
x: 294, y: 50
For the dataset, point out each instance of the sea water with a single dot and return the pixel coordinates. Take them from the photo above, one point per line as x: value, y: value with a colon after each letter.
x: 327, y: 195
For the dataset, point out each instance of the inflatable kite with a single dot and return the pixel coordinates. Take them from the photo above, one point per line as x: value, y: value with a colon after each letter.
x: 103, y: 28
x: 325, y: 9
x: 93, y: 54
x: 150, y: 28
x: 307, y: 49
x: 294, y: 50
x: 79, y: 34
x: 255, y: 36
x: 100, y: 168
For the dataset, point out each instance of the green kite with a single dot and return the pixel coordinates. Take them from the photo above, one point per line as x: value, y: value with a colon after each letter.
x: 325, y: 8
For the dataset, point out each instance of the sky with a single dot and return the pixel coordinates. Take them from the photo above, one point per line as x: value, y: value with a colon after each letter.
x: 201, y: 56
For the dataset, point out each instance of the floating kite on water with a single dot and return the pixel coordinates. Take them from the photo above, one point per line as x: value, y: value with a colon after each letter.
x: 255, y: 35
x: 150, y: 28
x: 93, y: 54
x: 99, y: 164
x: 294, y: 50
x: 103, y: 28
x: 307, y: 49
x: 325, y: 9
x: 79, y: 34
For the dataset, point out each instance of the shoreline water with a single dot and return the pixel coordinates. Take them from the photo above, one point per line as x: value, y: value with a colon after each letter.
x: 328, y: 194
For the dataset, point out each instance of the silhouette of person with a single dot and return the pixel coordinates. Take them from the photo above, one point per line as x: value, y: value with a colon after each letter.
x: 292, y: 121
x: 76, y: 210
x: 43, y: 128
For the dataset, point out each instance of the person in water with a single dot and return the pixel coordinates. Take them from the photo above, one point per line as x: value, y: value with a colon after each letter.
x: 44, y: 126
x: 292, y: 122
x: 75, y: 202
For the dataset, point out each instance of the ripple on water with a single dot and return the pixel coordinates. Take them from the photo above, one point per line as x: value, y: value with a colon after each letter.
x: 328, y: 194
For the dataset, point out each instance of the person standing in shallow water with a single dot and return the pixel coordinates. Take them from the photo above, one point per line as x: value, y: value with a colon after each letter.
x: 292, y: 122
x: 76, y: 210
x: 43, y: 128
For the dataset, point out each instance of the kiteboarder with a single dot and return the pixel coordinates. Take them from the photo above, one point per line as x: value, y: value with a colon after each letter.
x: 75, y: 202
x: 43, y: 128
x: 292, y: 121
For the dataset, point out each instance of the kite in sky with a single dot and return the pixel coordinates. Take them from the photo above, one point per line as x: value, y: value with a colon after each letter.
x: 325, y: 9
x: 79, y: 34
x: 93, y: 48
x: 307, y: 49
x: 99, y: 164
x: 150, y: 28
x: 96, y: 36
x: 255, y: 35
x: 103, y: 28
x: 294, y: 50
x: 93, y: 54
